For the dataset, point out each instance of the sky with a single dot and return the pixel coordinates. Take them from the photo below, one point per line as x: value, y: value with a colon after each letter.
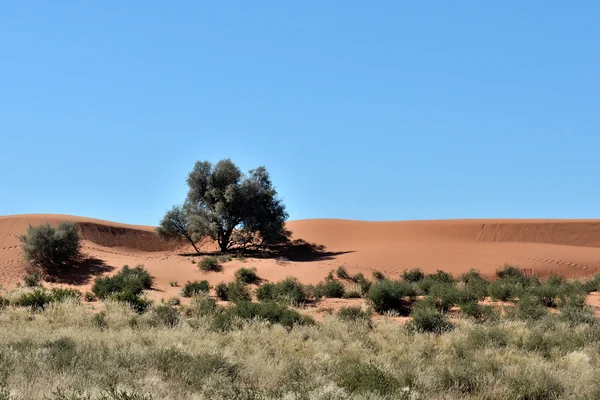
x: 361, y: 110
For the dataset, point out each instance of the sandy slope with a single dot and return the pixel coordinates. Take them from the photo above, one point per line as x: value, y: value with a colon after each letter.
x: 571, y: 248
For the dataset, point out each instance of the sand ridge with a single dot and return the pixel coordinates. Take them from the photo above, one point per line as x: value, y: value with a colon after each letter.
x: 566, y: 247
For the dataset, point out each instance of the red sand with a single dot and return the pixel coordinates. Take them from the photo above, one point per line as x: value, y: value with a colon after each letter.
x: 567, y: 247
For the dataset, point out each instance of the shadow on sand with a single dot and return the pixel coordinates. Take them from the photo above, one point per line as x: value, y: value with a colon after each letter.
x: 82, y: 272
x: 297, y: 251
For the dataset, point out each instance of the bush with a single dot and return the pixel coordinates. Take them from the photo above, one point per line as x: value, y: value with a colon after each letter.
x: 289, y: 290
x: 478, y: 312
x: 273, y: 312
x: 201, y: 306
x: 133, y: 280
x: 502, y: 290
x: 174, y: 301
x: 89, y: 297
x: 391, y: 295
x: 238, y: 291
x: 62, y: 294
x: 578, y: 315
x: 191, y: 289
x: 221, y: 291
x: 51, y: 249
x: 164, y: 315
x: 341, y: 273
x: 246, y: 275
x: 378, y: 276
x: 359, y: 377
x: 529, y: 308
x: 445, y: 295
x: 210, y: 264
x: 432, y: 279
x: 510, y: 272
x: 426, y: 319
x: 37, y: 300
x: 354, y: 313
x: 364, y: 283
x: 135, y: 301
x: 332, y: 289
x: 353, y: 292
x: 413, y: 275
x: 33, y: 279
x: 3, y: 302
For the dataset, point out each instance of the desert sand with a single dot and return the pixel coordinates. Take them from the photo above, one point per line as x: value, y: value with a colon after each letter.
x: 566, y: 247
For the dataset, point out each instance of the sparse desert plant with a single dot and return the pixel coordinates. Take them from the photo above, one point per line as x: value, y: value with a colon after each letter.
x: 330, y: 276
x: 413, y: 275
x: 133, y: 280
x: 378, y: 275
x: 389, y: 295
x: 224, y: 258
x: 62, y: 294
x: 174, y: 301
x: 173, y: 284
x: 37, y: 300
x: 342, y: 273
x: 246, y: 275
x: 193, y: 288
x: 428, y: 319
x: 353, y: 292
x: 238, y: 292
x: 164, y: 315
x: 273, y: 312
x: 33, y: 279
x: 333, y: 289
x: 354, y: 313
x: 51, y: 249
x: 210, y: 264
x: 221, y: 291
x: 89, y: 297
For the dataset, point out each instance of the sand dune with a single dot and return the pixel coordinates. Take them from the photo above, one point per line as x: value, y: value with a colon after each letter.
x: 567, y: 247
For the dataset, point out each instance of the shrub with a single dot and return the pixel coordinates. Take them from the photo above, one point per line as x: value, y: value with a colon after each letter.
x: 593, y: 284
x: 238, y: 291
x: 289, y: 290
x: 354, y: 313
x: 509, y: 271
x: 359, y: 377
x: 478, y: 312
x: 502, y: 290
x: 432, y: 279
x: 378, y: 276
x: 33, y: 279
x: 174, y: 301
x: 445, y: 295
x: 210, y: 264
x: 391, y: 295
x: 62, y: 294
x: 529, y: 308
x: 341, y: 273
x: 353, y: 292
x: 364, y: 283
x: 133, y: 280
x: 89, y: 297
x: 224, y: 258
x: 3, y: 302
x: 164, y: 315
x: 275, y: 313
x: 333, y: 289
x: 51, y: 249
x: 135, y: 301
x: 578, y: 315
x: 427, y: 319
x: 193, y: 288
x: 413, y: 275
x: 329, y: 276
x: 246, y: 275
x: 37, y: 300
x: 201, y: 306
x: 222, y: 291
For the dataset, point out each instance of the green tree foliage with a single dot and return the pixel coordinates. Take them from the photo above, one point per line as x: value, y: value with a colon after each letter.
x: 229, y: 207
x: 51, y: 249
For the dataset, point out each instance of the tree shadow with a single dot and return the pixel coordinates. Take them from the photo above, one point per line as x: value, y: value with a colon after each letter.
x: 81, y: 272
x: 297, y: 250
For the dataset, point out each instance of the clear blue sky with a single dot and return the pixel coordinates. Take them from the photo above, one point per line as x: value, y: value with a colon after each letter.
x: 360, y: 110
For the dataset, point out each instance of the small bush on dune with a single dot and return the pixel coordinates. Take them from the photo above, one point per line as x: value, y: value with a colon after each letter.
x: 413, y: 275
x: 275, y: 313
x: 478, y: 312
x: 37, y: 300
x: 428, y: 319
x: 332, y: 289
x: 221, y: 290
x: 33, y: 279
x: 62, y: 294
x: 440, y: 277
x: 363, y: 282
x: 355, y: 313
x: 191, y: 289
x: 174, y: 301
x: 133, y: 280
x: 51, y: 249
x: 289, y: 290
x: 238, y: 291
x: 359, y: 377
x: 208, y: 264
x: 445, y: 295
x: 378, y: 276
x: 353, y: 292
x: 501, y: 290
x: 133, y: 300
x: 391, y: 295
x: 201, y: 306
x: 341, y: 273
x: 529, y: 308
x: 246, y: 275
x: 164, y: 315
x: 224, y: 258
x: 578, y: 315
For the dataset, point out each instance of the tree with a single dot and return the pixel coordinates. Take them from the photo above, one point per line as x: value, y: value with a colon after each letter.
x: 229, y: 207
x: 49, y: 248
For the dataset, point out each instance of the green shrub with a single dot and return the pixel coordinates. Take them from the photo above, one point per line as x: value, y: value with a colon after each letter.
x: 593, y: 284
x: 275, y: 313
x: 210, y: 264
x: 445, y: 295
x: 502, y: 290
x: 33, y: 279
x: 529, y: 308
x: 246, y: 275
x: 62, y: 294
x: 224, y: 258
x: 360, y: 377
x: 238, y: 291
x: 134, y: 300
x: 133, y: 280
x: 478, y: 312
x: 509, y: 271
x: 191, y: 289
x: 201, y: 306
x: 164, y: 315
x: 427, y: 319
x: 354, y: 313
x: 51, y: 249
x: 37, y: 300
x: 289, y: 290
x: 413, y: 275
x: 378, y: 276
x: 364, y: 283
x: 341, y: 273
x: 578, y: 315
x: 332, y: 289
x: 391, y: 295
x: 221, y: 291
x: 430, y: 280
